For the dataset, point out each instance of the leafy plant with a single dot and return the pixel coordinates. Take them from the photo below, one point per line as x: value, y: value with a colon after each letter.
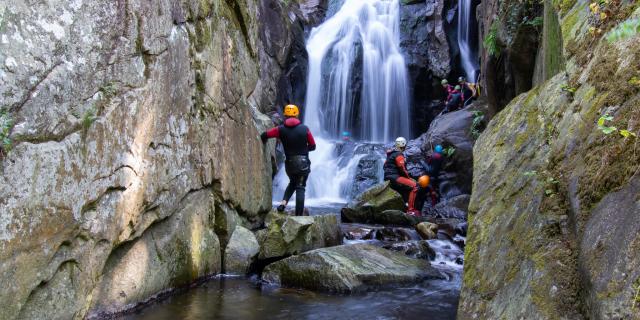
x: 535, y: 22
x: 88, y: 118
x: 476, y: 124
x: 530, y: 173
x: 6, y: 123
x: 625, y: 30
x: 491, y: 40
x: 109, y: 89
x: 449, y: 151
x: 567, y: 88
x: 634, y: 81
x: 611, y: 129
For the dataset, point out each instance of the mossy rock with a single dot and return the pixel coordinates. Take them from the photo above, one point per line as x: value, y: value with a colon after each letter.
x: 348, y: 269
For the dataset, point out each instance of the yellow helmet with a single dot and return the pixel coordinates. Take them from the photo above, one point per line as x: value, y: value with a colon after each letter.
x: 291, y: 110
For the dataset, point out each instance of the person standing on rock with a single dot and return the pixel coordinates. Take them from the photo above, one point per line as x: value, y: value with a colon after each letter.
x: 448, y: 89
x: 455, y: 102
x: 297, y: 141
x: 395, y: 171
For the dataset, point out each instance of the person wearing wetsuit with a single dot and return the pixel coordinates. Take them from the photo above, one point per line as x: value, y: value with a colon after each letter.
x: 395, y: 171
x: 297, y: 141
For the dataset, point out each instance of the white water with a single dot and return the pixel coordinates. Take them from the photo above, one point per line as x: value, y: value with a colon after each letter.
x: 366, y: 30
x: 465, y: 28
x: 362, y: 37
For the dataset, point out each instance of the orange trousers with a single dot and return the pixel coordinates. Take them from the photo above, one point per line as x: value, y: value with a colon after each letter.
x: 413, y: 186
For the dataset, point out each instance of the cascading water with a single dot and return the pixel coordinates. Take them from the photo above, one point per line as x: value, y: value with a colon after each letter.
x: 465, y: 36
x: 360, y: 42
x: 358, y: 83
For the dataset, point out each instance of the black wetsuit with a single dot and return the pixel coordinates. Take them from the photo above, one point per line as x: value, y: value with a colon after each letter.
x: 297, y: 141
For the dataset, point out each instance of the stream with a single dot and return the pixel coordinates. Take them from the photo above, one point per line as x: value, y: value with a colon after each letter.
x: 231, y: 297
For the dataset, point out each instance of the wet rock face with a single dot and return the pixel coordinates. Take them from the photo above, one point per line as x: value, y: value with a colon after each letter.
x: 122, y: 112
x: 511, y: 71
x: 559, y: 191
x: 424, y: 44
x: 348, y: 269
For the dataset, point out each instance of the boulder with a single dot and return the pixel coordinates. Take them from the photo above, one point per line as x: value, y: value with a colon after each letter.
x: 427, y: 230
x: 289, y: 235
x: 367, y: 174
x: 241, y: 252
x: 348, y: 269
x: 371, y: 202
x: 388, y: 217
x: 418, y: 249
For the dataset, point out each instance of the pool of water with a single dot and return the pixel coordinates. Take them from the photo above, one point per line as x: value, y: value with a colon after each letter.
x: 239, y: 298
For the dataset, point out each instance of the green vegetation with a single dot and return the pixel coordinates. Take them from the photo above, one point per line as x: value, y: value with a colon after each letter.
x: 625, y: 30
x: 6, y: 123
x: 476, y: 124
x: 449, y: 151
x: 535, y: 22
x: 491, y: 40
x: 109, y: 89
x: 609, y: 130
x: 88, y: 118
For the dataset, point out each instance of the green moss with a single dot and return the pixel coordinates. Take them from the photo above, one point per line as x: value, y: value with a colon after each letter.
x: 552, y: 42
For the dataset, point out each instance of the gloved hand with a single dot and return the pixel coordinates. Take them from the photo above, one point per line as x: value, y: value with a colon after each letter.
x: 263, y: 137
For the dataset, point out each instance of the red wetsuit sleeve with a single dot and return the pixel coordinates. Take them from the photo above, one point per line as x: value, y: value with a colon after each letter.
x: 400, y: 163
x: 273, y: 133
x: 310, y: 141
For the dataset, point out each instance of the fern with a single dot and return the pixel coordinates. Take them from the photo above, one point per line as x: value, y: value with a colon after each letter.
x: 491, y: 40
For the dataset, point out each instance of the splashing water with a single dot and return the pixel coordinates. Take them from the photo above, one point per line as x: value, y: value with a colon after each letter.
x: 465, y: 29
x: 359, y: 43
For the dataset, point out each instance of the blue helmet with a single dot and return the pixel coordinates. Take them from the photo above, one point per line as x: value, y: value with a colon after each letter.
x: 438, y: 149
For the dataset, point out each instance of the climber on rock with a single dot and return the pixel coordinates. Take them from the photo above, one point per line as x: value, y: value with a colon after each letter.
x: 455, y: 102
x: 297, y: 141
x: 432, y: 165
x: 395, y: 171
x: 468, y: 91
x: 448, y: 90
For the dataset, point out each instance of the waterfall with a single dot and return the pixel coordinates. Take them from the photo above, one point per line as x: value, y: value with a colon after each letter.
x: 359, y: 43
x: 358, y: 83
x: 465, y: 29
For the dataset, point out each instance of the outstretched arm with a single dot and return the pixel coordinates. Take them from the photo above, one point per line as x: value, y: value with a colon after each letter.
x: 310, y: 141
x: 271, y: 133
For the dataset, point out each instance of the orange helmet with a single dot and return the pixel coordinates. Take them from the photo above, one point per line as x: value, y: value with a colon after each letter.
x: 423, y: 181
x: 291, y: 110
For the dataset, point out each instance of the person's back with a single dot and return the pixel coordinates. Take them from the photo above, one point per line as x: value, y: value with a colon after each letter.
x: 295, y: 137
x: 455, y: 102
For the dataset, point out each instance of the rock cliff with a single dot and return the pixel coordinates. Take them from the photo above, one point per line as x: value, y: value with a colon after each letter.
x: 130, y: 145
x: 553, y: 221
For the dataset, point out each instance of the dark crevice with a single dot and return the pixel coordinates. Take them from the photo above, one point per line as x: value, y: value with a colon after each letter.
x: 16, y: 107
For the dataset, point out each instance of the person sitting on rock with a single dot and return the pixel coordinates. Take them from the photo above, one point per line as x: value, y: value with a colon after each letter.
x: 297, y: 141
x: 395, y: 171
x: 448, y: 89
x: 455, y: 102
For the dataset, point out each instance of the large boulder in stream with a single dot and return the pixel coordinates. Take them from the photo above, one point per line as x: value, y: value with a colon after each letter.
x: 288, y: 235
x: 365, y: 207
x: 348, y: 269
x: 241, y: 252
